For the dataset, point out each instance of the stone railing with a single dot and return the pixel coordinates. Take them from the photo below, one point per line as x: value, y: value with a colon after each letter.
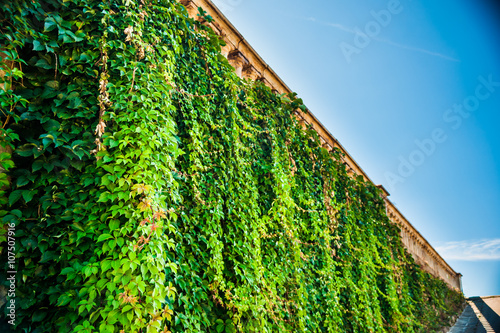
x: 423, y: 253
x: 248, y: 64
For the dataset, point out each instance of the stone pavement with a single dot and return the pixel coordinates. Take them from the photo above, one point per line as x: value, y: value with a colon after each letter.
x: 481, y: 315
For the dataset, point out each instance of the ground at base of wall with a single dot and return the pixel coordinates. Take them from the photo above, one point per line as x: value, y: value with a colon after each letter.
x: 481, y: 314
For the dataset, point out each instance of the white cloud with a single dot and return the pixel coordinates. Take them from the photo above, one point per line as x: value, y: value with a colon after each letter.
x: 340, y: 27
x: 411, y: 48
x: 471, y: 250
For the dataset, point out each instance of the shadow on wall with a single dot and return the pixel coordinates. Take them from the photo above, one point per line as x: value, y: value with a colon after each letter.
x: 491, y: 316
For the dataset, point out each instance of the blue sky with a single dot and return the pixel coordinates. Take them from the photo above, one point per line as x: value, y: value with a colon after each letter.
x: 412, y: 90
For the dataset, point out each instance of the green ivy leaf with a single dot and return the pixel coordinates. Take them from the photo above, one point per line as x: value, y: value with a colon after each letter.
x: 16, y: 212
x: 52, y: 84
x: 114, y: 224
x: 64, y: 300
x: 67, y: 270
x: 39, y: 315
x: 37, y: 46
x: 105, y: 265
x: 37, y: 165
x: 22, y: 180
x: 42, y: 63
x: 28, y: 195
x: 15, y: 196
x: 51, y: 125
x: 48, y: 256
x: 104, y: 237
x: 50, y: 24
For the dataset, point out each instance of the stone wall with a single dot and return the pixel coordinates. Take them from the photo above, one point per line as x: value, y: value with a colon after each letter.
x: 249, y: 65
x: 423, y: 253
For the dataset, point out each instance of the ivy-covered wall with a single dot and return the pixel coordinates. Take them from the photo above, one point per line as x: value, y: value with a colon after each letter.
x: 149, y: 189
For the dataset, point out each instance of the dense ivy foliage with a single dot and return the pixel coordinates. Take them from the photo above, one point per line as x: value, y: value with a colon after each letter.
x: 153, y: 190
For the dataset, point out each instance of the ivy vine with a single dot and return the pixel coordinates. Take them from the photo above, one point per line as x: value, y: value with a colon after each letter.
x: 152, y: 190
